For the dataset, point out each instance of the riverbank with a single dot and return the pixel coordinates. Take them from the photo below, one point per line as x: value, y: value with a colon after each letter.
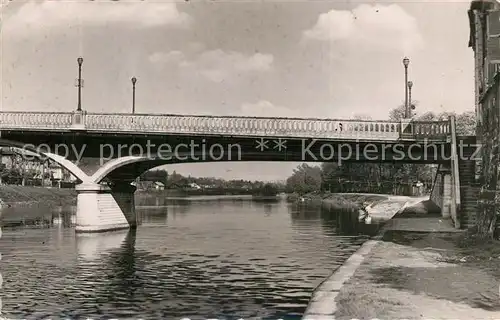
x: 352, y: 201
x: 423, y: 276
x: 194, y: 192
x: 379, y: 208
x: 208, y: 197
x: 418, y: 268
x: 341, y: 201
x: 13, y: 195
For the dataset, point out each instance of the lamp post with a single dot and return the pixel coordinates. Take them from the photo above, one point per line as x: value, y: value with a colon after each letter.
x: 79, y: 83
x: 134, y: 80
x: 406, y: 62
x: 410, y: 106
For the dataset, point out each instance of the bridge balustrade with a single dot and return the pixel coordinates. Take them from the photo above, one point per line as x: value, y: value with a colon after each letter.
x: 314, y: 128
x: 221, y: 125
x: 36, y: 120
x: 431, y: 128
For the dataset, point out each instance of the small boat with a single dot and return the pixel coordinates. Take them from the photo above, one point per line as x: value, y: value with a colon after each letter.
x: 368, y: 219
x: 364, y: 216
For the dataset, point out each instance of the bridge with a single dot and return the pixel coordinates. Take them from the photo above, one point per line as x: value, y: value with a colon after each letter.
x: 106, y: 152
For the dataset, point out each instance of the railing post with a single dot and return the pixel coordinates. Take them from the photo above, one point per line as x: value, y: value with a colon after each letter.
x: 455, y: 178
x: 406, y: 128
x: 78, y: 120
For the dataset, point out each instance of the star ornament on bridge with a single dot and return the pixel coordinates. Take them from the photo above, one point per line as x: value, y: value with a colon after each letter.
x: 262, y: 144
x: 279, y: 144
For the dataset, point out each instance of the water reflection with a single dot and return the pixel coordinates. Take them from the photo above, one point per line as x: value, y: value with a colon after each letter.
x: 90, y: 246
x: 64, y: 216
x: 344, y: 223
x: 37, y: 216
x: 219, y: 259
x: 268, y: 208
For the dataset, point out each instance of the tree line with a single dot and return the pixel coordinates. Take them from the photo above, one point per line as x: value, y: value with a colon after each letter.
x: 175, y: 180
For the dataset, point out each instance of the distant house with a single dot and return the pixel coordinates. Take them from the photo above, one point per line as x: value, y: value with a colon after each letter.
x: 194, y: 186
x: 208, y: 186
x: 159, y: 186
x: 26, y: 160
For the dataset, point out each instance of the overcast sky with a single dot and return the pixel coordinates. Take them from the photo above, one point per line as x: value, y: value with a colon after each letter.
x: 266, y: 58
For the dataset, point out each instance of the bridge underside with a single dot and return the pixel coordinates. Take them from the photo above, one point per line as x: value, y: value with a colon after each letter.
x: 120, y: 159
x: 91, y: 152
x: 78, y: 145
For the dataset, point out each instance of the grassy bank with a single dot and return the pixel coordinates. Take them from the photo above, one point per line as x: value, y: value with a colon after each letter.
x: 341, y: 201
x: 195, y: 192
x: 23, y: 195
x: 352, y: 201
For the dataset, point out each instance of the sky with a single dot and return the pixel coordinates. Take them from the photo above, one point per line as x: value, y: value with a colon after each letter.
x: 327, y: 59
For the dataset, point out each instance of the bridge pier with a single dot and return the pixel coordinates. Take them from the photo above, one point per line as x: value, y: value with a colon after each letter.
x: 102, y: 208
x: 447, y: 197
x: 442, y: 191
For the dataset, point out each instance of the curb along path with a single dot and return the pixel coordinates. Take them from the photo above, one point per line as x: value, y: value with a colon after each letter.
x: 322, y: 305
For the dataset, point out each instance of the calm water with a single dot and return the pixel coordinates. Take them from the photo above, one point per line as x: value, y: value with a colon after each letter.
x: 196, y: 259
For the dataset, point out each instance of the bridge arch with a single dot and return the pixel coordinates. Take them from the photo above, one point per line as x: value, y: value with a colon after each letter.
x: 114, y: 164
x: 142, y: 164
x: 62, y: 161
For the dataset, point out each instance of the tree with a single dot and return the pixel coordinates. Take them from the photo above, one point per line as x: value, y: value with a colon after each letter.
x: 362, y: 117
x: 304, y: 179
x: 397, y: 113
x: 155, y: 176
x: 178, y: 179
x: 268, y: 189
x: 330, y: 173
x: 374, y: 177
x: 466, y: 123
x: 428, y: 116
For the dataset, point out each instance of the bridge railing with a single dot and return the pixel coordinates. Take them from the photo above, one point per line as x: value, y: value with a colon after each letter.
x: 36, y: 120
x: 432, y: 128
x: 287, y: 127
x: 426, y: 129
x: 219, y: 125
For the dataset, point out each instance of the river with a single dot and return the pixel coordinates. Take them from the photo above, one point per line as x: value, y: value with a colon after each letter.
x: 226, y: 259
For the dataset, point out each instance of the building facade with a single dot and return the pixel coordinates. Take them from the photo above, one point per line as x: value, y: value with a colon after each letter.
x: 29, y: 165
x: 484, y: 21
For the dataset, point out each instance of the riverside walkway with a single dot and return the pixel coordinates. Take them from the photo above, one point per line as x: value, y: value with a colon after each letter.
x: 410, y: 280
x: 407, y: 272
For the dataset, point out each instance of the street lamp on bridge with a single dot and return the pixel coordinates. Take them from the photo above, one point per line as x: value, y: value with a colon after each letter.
x: 79, y: 83
x: 134, y: 80
x: 406, y: 62
x: 411, y: 106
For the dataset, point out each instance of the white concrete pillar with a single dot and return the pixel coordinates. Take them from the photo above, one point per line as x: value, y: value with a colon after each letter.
x: 123, y: 193
x: 446, y: 205
x: 101, y: 208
